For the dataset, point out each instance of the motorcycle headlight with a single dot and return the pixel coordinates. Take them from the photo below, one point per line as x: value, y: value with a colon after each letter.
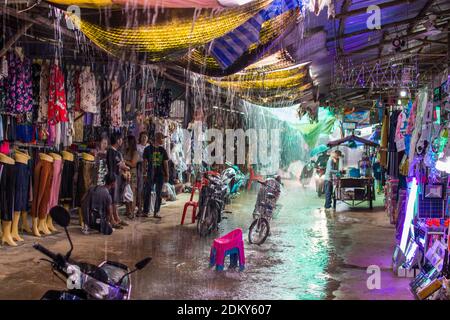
x: 96, y: 289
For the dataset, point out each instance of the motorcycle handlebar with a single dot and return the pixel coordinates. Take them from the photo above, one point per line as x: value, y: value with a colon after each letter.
x: 45, y: 251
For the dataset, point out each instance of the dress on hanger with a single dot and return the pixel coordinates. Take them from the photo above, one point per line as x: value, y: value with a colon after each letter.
x: 116, y: 105
x: 88, y: 91
x: 43, y: 93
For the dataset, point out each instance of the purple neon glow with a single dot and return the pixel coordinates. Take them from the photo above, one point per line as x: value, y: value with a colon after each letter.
x: 409, y: 216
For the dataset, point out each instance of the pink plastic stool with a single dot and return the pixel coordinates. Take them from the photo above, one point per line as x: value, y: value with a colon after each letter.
x: 192, y: 203
x: 231, y: 245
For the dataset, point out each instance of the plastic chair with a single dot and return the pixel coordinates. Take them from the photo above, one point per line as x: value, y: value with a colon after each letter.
x: 253, y: 177
x: 191, y: 203
x: 231, y: 245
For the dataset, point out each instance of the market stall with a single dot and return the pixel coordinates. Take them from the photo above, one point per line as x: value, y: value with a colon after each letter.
x: 357, y: 185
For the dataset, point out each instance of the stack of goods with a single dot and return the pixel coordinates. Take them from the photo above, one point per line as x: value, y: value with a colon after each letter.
x: 390, y: 202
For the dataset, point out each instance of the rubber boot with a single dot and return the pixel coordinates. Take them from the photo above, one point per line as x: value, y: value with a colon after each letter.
x: 50, y: 225
x: 35, y: 227
x: 42, y: 226
x: 15, y: 227
x: 6, y: 228
x: 25, y: 226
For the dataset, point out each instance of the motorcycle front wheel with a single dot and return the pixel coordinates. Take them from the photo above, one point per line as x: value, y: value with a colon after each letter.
x: 259, y: 231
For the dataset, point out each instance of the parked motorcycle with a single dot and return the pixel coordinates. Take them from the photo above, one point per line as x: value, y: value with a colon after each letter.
x: 235, y: 179
x: 307, y: 173
x: 108, y: 281
x: 265, y: 209
x: 211, y: 204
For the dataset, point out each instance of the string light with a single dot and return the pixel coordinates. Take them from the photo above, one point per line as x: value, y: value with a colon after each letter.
x: 171, y: 36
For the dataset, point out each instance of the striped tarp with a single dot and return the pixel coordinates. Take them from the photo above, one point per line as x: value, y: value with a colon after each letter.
x: 227, y: 49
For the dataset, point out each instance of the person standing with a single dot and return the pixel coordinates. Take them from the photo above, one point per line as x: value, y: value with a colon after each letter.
x: 143, y: 143
x: 131, y: 160
x: 156, y: 161
x: 331, y: 169
x: 116, y: 166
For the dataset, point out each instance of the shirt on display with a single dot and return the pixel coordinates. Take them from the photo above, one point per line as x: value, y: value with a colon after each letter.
x: 155, y: 157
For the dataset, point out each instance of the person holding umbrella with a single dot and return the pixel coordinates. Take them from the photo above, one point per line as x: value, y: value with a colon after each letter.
x: 331, y: 169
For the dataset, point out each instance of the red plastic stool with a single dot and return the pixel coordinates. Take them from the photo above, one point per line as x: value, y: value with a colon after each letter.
x: 191, y: 203
x: 253, y: 177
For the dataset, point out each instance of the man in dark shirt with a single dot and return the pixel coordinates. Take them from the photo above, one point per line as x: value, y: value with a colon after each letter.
x: 156, y: 162
x: 98, y: 198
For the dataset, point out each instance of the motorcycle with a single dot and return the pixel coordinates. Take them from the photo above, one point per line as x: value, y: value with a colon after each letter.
x: 235, y: 179
x: 307, y: 173
x: 320, y: 181
x: 211, y: 204
x: 265, y: 209
x: 108, y: 281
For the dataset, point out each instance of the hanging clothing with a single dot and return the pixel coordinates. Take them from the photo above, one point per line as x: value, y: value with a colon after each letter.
x: 76, y: 84
x: 22, y: 188
x: 43, y: 93
x: 3, y: 94
x: 4, y: 68
x: 42, y: 183
x: 67, y: 180
x: 78, y: 126
x: 88, y: 91
x: 57, y: 107
x: 116, y: 104
x: 19, y: 86
x: 36, y: 80
x: 56, y: 183
x: 70, y: 89
x: 86, y: 178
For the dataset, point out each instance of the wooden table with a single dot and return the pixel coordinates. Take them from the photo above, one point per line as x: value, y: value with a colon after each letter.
x: 363, y: 191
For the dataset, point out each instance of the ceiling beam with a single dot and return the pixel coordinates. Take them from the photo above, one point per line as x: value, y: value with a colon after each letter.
x: 14, y: 38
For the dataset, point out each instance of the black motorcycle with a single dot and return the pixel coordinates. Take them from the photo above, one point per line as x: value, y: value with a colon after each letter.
x: 307, y: 173
x: 211, y: 204
x: 108, y: 281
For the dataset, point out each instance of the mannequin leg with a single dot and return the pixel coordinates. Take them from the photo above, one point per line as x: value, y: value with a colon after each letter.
x: 35, y: 227
x: 42, y: 226
x: 50, y: 225
x: 15, y: 227
x: 6, y: 228
x: 25, y: 226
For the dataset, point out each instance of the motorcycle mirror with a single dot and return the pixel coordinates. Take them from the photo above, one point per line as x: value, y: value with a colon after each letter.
x: 60, y: 215
x: 143, y: 263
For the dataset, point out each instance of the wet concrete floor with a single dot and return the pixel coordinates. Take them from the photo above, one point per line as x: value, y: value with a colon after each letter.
x: 309, y: 255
